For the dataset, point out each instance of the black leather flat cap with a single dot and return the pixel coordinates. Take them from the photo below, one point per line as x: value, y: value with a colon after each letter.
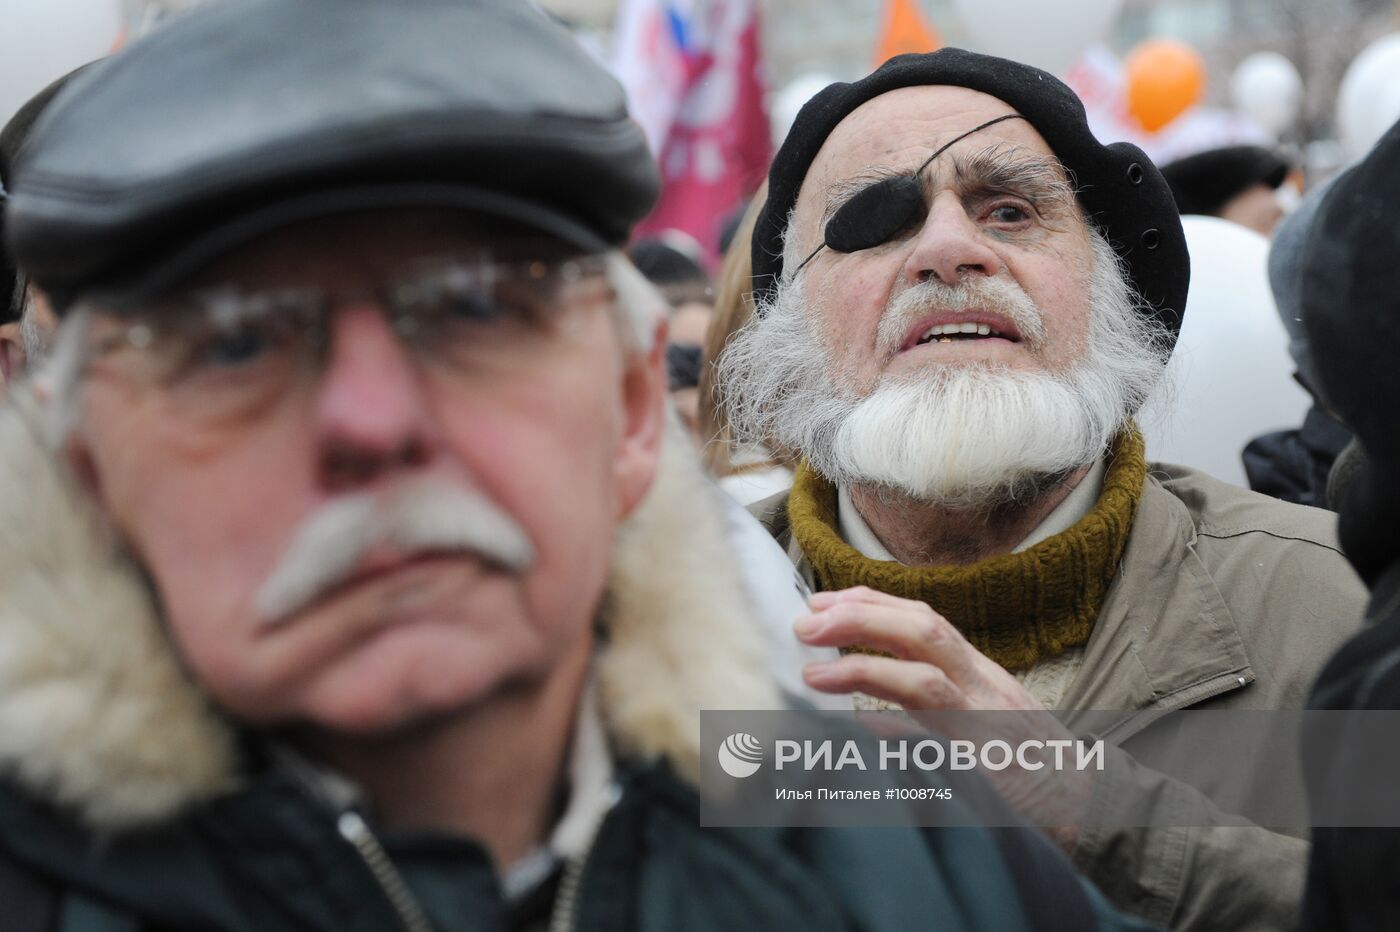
x: 1121, y: 192
x: 245, y: 115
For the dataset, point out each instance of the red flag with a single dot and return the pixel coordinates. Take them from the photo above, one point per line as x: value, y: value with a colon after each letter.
x: 718, y: 144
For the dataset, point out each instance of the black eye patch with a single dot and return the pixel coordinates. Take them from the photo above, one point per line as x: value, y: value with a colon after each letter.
x: 876, y: 214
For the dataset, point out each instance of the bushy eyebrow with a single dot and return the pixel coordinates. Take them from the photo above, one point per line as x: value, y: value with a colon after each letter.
x: 1041, y: 180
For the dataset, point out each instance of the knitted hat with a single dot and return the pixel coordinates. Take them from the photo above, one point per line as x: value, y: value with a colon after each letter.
x: 1119, y: 189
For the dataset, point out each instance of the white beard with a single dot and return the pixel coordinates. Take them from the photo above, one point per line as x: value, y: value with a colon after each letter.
x: 971, y: 436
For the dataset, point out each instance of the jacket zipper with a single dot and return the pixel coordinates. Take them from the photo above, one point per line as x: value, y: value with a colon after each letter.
x: 354, y: 830
x: 563, y: 917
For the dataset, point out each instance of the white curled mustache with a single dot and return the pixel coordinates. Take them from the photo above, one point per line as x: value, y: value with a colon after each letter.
x: 1000, y: 295
x: 421, y: 515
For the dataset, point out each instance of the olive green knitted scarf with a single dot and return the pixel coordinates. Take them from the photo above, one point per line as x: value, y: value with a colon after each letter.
x: 1019, y: 608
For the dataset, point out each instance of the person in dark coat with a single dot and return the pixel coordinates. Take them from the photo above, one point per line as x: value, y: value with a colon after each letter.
x: 1352, y: 316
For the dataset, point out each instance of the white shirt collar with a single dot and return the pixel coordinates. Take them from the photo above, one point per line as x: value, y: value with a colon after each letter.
x: 592, y: 793
x: 1078, y: 503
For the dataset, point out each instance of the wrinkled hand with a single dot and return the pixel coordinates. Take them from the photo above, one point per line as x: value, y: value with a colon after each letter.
x: 934, y: 668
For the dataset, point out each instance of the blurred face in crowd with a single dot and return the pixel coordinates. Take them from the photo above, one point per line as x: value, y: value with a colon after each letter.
x: 985, y: 349
x: 690, y: 323
x: 1257, y: 207
x: 373, y: 464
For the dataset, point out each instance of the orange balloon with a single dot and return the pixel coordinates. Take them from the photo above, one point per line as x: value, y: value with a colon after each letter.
x: 1164, y: 79
x: 905, y: 30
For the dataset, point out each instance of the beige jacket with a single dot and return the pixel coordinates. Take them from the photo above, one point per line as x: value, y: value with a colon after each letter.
x: 1225, y: 599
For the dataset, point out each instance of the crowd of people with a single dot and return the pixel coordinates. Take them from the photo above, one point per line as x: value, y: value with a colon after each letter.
x: 373, y: 507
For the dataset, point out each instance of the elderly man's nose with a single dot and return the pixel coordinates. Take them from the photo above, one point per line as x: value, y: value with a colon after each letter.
x: 371, y: 415
x: 950, y: 245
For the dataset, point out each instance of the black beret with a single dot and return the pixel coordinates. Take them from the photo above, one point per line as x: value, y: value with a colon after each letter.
x: 1350, y: 284
x: 242, y: 116
x: 1205, y: 182
x: 1119, y: 188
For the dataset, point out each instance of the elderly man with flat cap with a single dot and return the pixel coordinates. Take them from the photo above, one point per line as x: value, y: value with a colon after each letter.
x: 963, y: 299
x: 351, y: 588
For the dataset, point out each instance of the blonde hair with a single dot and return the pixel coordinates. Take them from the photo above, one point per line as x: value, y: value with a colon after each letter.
x: 733, y: 308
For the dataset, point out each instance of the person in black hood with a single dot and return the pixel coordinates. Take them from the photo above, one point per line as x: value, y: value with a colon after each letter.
x: 1294, y: 465
x: 1350, y: 285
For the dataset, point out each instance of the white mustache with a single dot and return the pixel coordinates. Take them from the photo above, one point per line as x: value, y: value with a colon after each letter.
x: 421, y: 515
x: 995, y: 295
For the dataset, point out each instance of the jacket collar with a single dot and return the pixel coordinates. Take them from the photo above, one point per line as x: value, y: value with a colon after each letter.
x: 99, y: 717
x: 1165, y: 638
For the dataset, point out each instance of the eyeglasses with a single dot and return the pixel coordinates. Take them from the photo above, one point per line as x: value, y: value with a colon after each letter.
x: 222, y: 353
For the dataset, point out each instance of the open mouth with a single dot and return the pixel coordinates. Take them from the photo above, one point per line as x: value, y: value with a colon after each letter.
x: 954, y: 327
x: 954, y: 333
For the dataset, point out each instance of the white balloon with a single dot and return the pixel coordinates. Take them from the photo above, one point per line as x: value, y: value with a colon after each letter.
x: 42, y: 40
x: 1230, y: 377
x: 1048, y: 35
x: 1368, y: 102
x: 1268, y: 89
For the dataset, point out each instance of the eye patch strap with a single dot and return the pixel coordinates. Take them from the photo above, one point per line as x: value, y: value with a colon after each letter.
x: 885, y: 207
x: 976, y: 129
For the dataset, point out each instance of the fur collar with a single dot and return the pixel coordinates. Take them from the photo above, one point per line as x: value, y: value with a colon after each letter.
x: 98, y: 716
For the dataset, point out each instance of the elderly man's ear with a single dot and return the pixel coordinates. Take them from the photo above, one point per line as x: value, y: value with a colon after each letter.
x: 644, y: 393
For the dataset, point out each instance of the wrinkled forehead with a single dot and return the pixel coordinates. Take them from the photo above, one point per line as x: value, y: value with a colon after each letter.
x: 900, y: 129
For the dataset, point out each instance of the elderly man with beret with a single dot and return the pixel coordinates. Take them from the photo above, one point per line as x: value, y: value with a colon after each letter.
x: 354, y: 587
x: 963, y: 299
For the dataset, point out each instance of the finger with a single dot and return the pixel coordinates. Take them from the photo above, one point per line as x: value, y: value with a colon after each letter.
x: 910, y: 631
x: 913, y: 685
x: 824, y: 600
